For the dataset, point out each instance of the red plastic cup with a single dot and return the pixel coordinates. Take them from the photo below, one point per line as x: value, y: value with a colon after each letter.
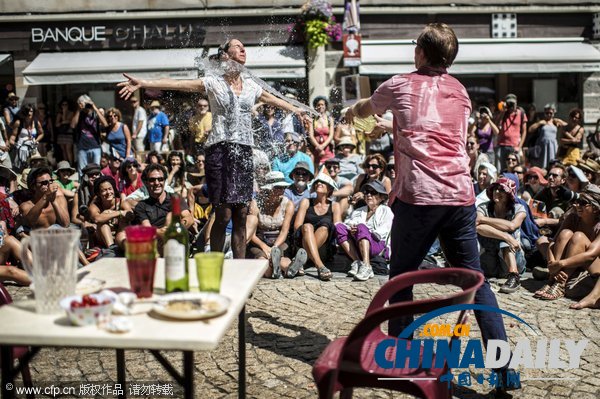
x: 141, y: 253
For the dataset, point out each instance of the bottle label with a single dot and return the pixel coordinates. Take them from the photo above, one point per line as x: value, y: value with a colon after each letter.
x: 174, y: 260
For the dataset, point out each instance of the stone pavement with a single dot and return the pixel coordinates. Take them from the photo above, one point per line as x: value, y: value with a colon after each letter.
x: 291, y: 321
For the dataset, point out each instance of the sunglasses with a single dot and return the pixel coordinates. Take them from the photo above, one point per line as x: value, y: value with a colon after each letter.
x: 370, y: 192
x: 332, y: 166
x: 533, y: 177
x: 582, y: 203
x: 301, y: 174
x: 373, y: 166
x: 511, y: 160
x: 156, y: 179
x: 45, y: 182
x: 519, y: 172
x: 553, y: 175
x: 94, y: 174
x: 471, y: 143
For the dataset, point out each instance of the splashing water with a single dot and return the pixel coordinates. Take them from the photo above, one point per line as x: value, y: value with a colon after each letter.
x: 218, y: 68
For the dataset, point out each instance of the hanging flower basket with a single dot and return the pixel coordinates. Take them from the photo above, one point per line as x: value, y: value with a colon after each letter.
x: 317, y: 24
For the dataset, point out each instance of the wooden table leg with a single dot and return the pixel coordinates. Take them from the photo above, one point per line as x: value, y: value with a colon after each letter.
x: 242, y: 353
x: 188, y: 374
x: 121, y: 379
x: 8, y: 381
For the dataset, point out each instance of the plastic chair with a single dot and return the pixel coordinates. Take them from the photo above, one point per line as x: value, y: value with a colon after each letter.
x: 349, y: 362
x: 18, y: 352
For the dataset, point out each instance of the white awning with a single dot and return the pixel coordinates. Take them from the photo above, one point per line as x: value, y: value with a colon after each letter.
x: 275, y: 62
x: 4, y: 58
x: 488, y: 56
x: 108, y: 66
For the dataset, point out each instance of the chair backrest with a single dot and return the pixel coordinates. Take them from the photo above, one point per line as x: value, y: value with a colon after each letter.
x: 466, y: 279
x: 378, y: 313
x: 5, y: 297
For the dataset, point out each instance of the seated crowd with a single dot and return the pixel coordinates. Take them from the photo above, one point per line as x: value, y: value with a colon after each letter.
x: 320, y: 196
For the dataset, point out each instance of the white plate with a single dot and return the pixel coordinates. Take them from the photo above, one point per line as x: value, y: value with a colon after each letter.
x: 89, y: 285
x: 209, y: 305
x: 86, y: 286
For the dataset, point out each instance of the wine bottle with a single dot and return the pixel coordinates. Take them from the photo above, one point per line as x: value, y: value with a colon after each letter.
x: 176, y: 251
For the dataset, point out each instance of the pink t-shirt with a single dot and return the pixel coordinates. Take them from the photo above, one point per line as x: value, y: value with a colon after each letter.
x: 431, y: 111
x: 510, y: 128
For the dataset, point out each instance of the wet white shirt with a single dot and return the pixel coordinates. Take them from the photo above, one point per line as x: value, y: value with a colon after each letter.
x: 232, y: 115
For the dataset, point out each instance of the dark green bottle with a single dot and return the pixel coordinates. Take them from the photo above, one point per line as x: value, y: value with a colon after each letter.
x: 176, y: 251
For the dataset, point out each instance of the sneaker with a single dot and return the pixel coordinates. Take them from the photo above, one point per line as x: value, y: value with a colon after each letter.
x: 297, y: 263
x: 513, y: 282
x: 364, y: 273
x: 540, y: 273
x: 276, y: 262
x: 354, y: 268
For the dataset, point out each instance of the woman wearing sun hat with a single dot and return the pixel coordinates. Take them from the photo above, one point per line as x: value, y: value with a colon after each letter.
x: 499, y: 232
x: 364, y: 233
x: 314, y: 223
x: 271, y: 217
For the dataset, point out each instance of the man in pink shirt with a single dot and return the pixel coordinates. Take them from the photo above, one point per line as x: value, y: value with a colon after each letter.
x: 513, y: 131
x: 433, y: 194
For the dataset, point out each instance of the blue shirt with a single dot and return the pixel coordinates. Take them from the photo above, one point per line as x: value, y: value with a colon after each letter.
x: 285, y: 164
x: 295, y: 197
x: 156, y: 125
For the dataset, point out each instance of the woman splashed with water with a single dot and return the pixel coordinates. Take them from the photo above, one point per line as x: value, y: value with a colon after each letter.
x: 231, y: 94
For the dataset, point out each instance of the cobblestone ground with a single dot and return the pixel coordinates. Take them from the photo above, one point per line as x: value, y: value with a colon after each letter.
x: 291, y: 321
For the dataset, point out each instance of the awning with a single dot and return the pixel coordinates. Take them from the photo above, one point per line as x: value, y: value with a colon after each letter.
x: 275, y: 62
x: 108, y: 66
x: 4, y: 58
x: 488, y: 56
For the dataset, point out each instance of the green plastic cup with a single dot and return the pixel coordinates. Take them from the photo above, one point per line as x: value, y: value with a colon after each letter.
x: 209, y: 269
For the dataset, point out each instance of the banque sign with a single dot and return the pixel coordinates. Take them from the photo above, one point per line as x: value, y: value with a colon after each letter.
x: 134, y: 34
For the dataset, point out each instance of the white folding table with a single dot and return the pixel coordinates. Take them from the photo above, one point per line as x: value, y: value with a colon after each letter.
x: 22, y: 326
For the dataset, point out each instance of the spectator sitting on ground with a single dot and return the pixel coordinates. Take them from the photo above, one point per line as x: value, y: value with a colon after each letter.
x: 131, y: 177
x: 177, y: 178
x: 476, y: 157
x: 499, y: 233
x: 106, y: 213
x: 313, y: 227
x: 374, y: 166
x: 113, y: 168
x: 364, y: 234
x: 576, y: 180
x: 534, y: 183
x: 156, y: 209
x: 512, y: 160
x: 350, y: 164
x: 69, y: 187
x: 591, y: 168
x: 83, y: 198
x: 286, y: 162
x: 575, y: 249
x: 345, y: 187
x: 553, y: 197
x: 270, y: 219
x: 48, y: 207
x: 298, y: 190
x: 390, y: 170
x: 486, y: 175
x: 154, y: 156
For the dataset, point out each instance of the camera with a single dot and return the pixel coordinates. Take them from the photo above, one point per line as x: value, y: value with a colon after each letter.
x: 567, y: 195
x: 89, y: 105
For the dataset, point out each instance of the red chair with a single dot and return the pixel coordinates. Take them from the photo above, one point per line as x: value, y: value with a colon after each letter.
x: 349, y: 362
x: 18, y: 352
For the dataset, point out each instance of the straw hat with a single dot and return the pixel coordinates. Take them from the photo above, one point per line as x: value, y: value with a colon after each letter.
x: 22, y: 181
x: 155, y: 104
